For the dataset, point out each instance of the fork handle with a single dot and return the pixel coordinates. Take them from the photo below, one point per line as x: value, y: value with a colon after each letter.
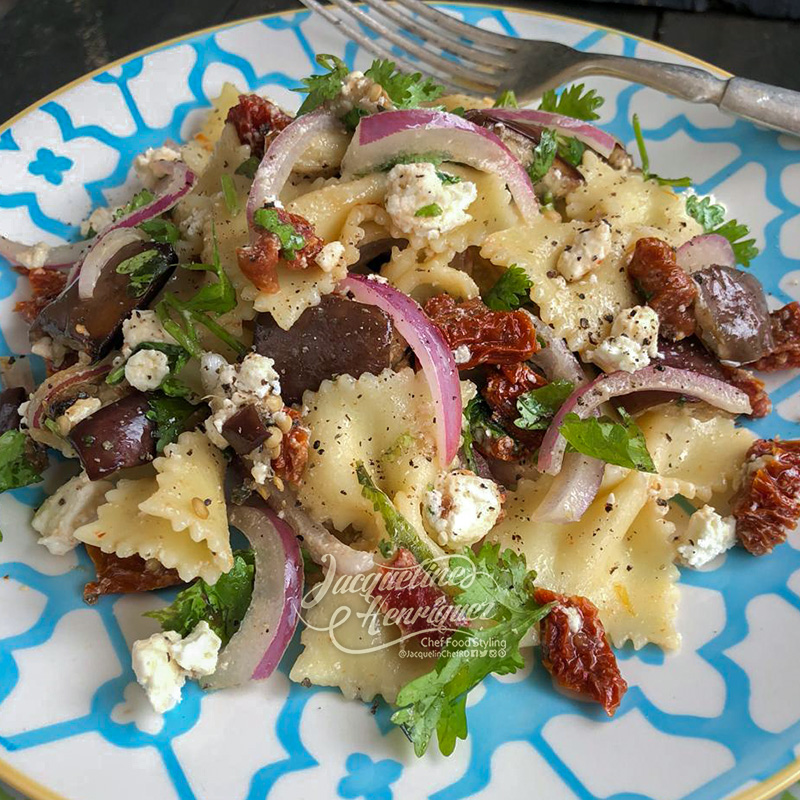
x: 759, y: 102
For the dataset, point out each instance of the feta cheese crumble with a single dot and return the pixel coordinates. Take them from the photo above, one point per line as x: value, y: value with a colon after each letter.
x: 332, y: 257
x: 97, y: 221
x: 415, y: 187
x: 574, y: 618
x: 462, y: 354
x: 461, y: 508
x: 141, y: 327
x: 163, y: 662
x: 146, y: 369
x: 631, y: 344
x: 233, y: 386
x: 78, y: 411
x: 590, y: 247
x: 359, y: 91
x: 707, y: 536
x: 35, y: 257
x: 149, y: 166
x: 71, y: 506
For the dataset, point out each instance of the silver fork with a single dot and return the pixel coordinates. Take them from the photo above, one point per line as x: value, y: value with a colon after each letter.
x: 484, y: 62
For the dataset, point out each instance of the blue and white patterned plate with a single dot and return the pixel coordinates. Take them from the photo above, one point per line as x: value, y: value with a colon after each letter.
x: 714, y: 721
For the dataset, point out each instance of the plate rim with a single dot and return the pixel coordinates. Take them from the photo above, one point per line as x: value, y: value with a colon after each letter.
x: 764, y: 790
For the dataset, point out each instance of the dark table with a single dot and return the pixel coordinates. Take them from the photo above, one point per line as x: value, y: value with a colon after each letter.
x: 47, y: 43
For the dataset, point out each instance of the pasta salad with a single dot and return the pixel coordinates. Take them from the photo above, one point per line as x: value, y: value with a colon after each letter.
x: 435, y: 379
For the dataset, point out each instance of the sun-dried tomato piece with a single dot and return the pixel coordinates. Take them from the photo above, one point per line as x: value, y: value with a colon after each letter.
x: 117, y: 575
x: 504, y: 385
x: 46, y: 285
x: 576, y: 652
x: 292, y: 459
x: 493, y: 337
x: 259, y: 260
x: 767, y: 506
x: 668, y: 289
x: 786, y: 334
x: 411, y: 599
x: 255, y: 119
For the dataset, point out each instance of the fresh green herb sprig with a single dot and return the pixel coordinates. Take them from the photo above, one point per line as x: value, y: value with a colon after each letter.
x: 506, y: 99
x: 400, y: 531
x: 620, y: 443
x: 171, y: 415
x: 651, y: 176
x: 291, y: 241
x: 544, y: 153
x: 573, y: 102
x: 223, y: 605
x: 229, y: 194
x: 139, y: 200
x: 435, y: 703
x: 180, y: 318
x: 446, y: 178
x: 248, y: 167
x: 142, y: 269
x: 511, y: 290
x: 430, y: 210
x: 477, y: 425
x: 161, y: 230
x: 17, y: 468
x: 538, y: 407
x: 319, y: 88
x: 712, y: 217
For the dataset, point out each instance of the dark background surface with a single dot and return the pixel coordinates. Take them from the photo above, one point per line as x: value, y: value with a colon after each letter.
x: 47, y: 43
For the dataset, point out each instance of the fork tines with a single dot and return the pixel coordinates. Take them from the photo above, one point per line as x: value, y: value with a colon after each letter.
x: 461, y: 56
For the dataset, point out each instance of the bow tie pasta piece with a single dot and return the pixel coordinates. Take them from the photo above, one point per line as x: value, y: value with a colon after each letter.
x: 375, y: 667
x: 581, y: 311
x: 179, y: 517
x: 696, y: 451
x: 122, y: 528
x: 628, y: 201
x: 619, y: 555
x: 383, y: 420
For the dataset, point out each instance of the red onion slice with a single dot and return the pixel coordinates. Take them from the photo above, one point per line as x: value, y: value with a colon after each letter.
x: 587, y: 399
x: 382, y: 137
x: 181, y: 180
x: 598, y: 140
x: 276, y: 166
x: 104, y: 249
x: 320, y: 543
x: 707, y: 250
x: 52, y: 389
x: 431, y: 350
x: 269, y: 624
x: 576, y: 486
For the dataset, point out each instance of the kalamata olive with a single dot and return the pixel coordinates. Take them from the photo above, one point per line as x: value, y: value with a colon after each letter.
x: 732, y: 315
x: 90, y: 325
x: 117, y: 436
x: 245, y: 430
x: 337, y: 337
x: 10, y: 401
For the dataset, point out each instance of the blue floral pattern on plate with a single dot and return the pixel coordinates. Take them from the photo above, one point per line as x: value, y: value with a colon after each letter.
x: 701, y: 725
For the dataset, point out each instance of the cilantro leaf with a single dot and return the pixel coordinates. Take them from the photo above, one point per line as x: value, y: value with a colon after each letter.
x: 708, y: 214
x: 537, y: 407
x: 446, y: 178
x: 400, y: 531
x: 431, y: 210
x: 543, y: 155
x: 222, y: 605
x: 161, y: 230
x: 478, y: 425
x: 620, y: 443
x: 248, y: 167
x: 571, y: 150
x: 506, y: 99
x: 744, y: 250
x: 291, y: 241
x: 142, y: 269
x: 16, y: 467
x: 646, y: 174
x: 510, y: 291
x: 229, y: 194
x: 573, y: 102
x: 172, y: 416
x: 499, y: 584
x: 139, y: 200
x: 405, y: 90
x: 326, y: 86
x: 712, y: 217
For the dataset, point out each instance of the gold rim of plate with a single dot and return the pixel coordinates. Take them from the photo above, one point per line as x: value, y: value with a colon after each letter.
x: 766, y: 789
